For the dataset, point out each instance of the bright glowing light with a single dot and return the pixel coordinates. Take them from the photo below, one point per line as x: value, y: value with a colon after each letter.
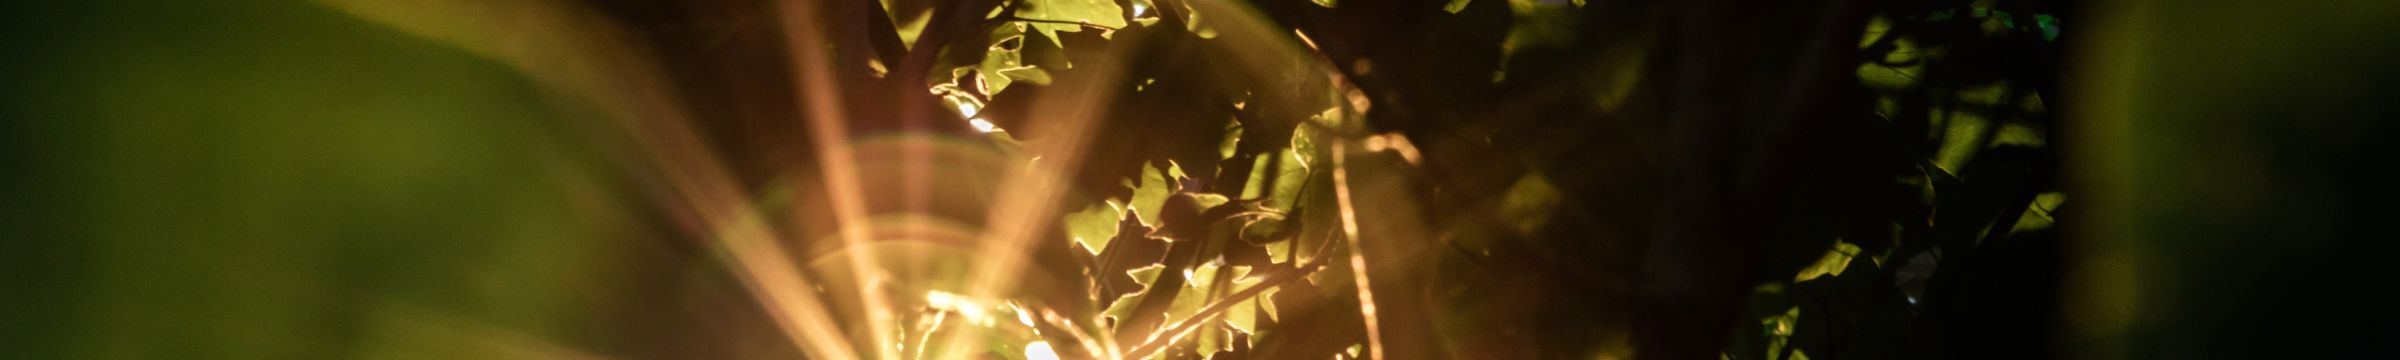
x: 982, y: 126
x: 1039, y: 350
x: 969, y: 308
x: 1024, y: 317
x: 1138, y: 9
x: 967, y: 109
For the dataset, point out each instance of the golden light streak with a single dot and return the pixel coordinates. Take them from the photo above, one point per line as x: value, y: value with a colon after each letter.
x: 1023, y: 213
x: 831, y: 134
x: 1017, y: 218
x: 574, y: 51
x: 772, y: 277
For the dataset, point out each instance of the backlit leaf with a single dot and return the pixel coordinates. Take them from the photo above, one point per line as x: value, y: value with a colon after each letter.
x: 1096, y: 12
x: 1832, y: 263
x: 1151, y: 193
x: 1095, y: 225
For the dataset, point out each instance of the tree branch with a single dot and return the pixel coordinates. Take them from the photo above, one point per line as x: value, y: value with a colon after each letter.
x: 1044, y: 21
x: 1169, y: 336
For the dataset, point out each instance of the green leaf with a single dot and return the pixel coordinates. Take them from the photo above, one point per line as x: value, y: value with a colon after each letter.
x: 1146, y: 274
x: 2049, y: 27
x: 1002, y: 55
x: 1832, y: 263
x: 958, y: 98
x: 1151, y: 194
x: 1208, y: 283
x: 1096, y: 12
x: 1145, y: 12
x: 1095, y: 225
x: 1027, y: 73
x: 1536, y: 24
x: 1779, y: 330
x: 1210, y: 339
x: 2037, y: 216
x: 1331, y: 118
x: 1277, y: 251
x: 1455, y: 5
x: 1122, y: 307
x: 1243, y: 316
x: 1198, y: 281
x: 1528, y: 203
x: 1266, y: 303
x: 1233, y: 138
x: 1291, y: 172
x: 1192, y: 21
x: 1268, y: 232
x: 1208, y: 201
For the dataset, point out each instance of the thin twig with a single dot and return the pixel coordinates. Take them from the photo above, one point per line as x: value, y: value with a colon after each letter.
x: 1176, y: 333
x: 1358, y: 103
x: 1044, y: 21
x: 1096, y: 346
x: 1358, y: 257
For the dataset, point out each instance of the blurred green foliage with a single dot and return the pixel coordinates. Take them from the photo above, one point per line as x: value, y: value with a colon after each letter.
x: 255, y: 179
x: 1522, y: 179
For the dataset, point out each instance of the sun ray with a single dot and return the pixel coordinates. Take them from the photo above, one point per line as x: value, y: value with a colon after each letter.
x: 1021, y: 214
x: 830, y: 132
x: 577, y: 53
